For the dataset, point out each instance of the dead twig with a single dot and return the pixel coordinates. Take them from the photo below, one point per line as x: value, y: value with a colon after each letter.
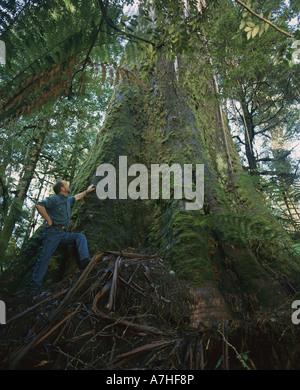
x: 131, y: 255
x: 146, y: 347
x: 130, y: 325
x: 113, y: 289
x: 238, y: 355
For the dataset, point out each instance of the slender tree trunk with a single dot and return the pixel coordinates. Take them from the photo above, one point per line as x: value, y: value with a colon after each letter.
x: 33, y: 219
x: 249, y: 133
x: 5, y: 197
x: 22, y: 188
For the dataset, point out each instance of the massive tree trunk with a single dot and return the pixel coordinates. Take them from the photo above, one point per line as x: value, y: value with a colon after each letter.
x: 225, y: 251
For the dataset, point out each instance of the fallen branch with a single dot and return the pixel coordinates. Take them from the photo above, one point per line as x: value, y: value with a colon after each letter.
x: 36, y: 340
x: 127, y: 324
x: 113, y: 289
x: 56, y: 326
x: 77, y: 285
x: 236, y: 352
x: 131, y: 255
x: 146, y: 347
x: 36, y: 305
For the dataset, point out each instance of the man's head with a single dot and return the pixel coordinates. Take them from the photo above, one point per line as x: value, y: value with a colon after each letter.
x: 61, y: 187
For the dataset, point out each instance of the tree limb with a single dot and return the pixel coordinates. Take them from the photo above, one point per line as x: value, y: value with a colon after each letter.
x: 129, y: 35
x: 264, y: 19
x: 239, y: 139
x: 87, y: 57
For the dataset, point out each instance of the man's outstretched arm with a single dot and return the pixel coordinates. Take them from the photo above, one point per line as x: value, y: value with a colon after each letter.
x: 82, y: 194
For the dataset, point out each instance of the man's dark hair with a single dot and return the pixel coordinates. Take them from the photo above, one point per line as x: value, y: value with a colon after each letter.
x: 58, y: 186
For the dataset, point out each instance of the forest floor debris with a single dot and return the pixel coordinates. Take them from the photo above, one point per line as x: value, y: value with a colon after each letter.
x: 126, y: 310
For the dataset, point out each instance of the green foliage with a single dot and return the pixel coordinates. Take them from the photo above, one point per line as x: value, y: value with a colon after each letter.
x: 245, y: 230
x: 262, y: 92
x: 256, y: 22
x: 43, y: 60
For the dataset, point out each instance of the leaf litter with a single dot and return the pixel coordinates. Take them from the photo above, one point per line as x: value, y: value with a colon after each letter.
x: 127, y: 310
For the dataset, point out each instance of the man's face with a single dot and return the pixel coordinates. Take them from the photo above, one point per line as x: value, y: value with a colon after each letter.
x: 65, y: 189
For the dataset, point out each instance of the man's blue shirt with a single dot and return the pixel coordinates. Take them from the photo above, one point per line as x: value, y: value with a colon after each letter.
x: 58, y: 208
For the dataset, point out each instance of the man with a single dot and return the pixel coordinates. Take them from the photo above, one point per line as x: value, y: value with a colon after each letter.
x: 56, y: 210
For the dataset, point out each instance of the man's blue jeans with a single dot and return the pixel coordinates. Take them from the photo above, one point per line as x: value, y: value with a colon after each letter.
x: 52, y: 237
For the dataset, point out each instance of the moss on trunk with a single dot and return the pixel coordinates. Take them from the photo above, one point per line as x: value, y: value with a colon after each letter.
x: 225, y: 245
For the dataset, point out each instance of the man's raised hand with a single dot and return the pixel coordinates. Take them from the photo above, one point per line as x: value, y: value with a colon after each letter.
x: 90, y: 188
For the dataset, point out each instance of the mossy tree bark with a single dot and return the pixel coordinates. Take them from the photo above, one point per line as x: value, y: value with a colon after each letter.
x: 226, y: 251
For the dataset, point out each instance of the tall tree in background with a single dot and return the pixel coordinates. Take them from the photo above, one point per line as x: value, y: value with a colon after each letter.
x: 259, y: 92
x: 23, y: 185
